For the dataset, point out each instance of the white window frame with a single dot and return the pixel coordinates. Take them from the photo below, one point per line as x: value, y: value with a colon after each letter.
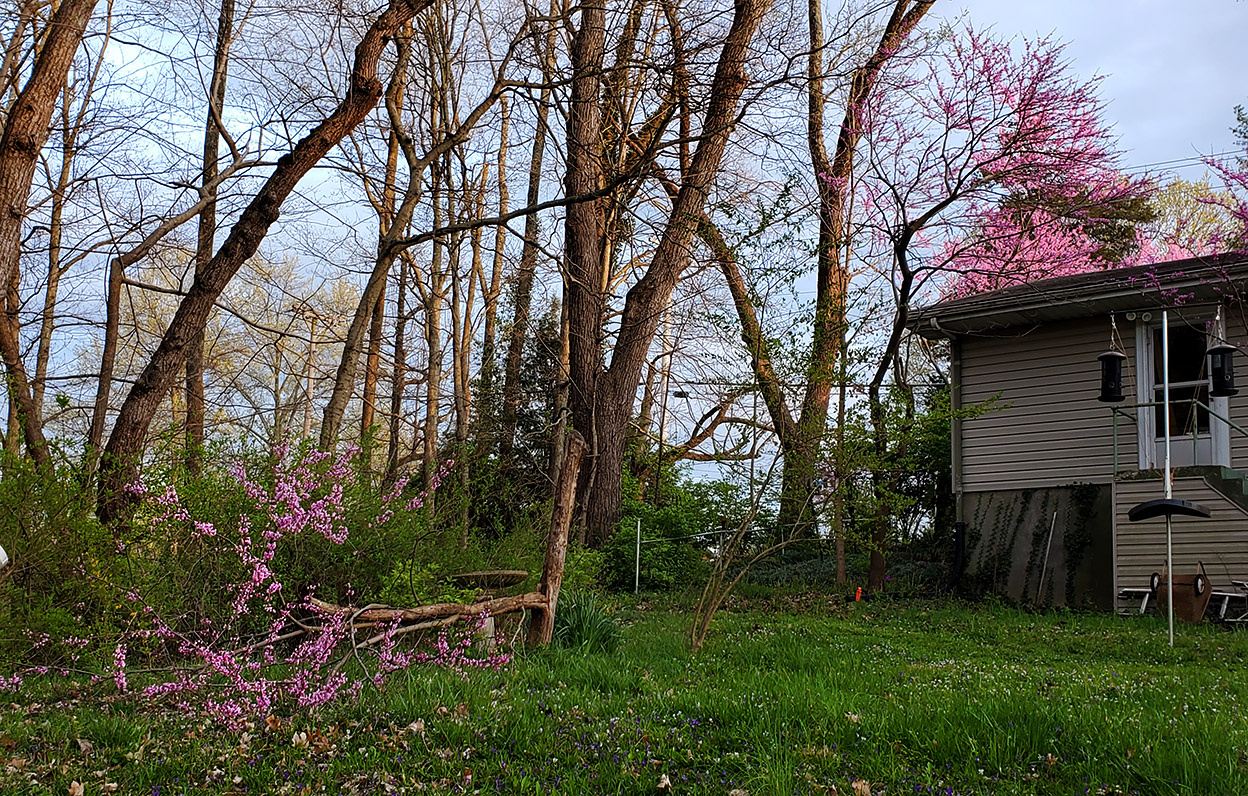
x: 1219, y: 436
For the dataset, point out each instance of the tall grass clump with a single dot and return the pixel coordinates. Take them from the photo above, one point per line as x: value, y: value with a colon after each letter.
x: 584, y: 623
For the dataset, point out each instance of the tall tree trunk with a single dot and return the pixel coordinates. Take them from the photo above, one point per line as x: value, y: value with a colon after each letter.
x: 560, y: 410
x: 885, y: 477
x: 47, y: 321
x: 842, y: 467
x: 13, y: 425
x: 207, y: 233
x: 27, y: 123
x: 398, y: 381
x: 490, y: 292
x: 19, y: 385
x: 120, y: 459
x: 372, y: 364
x: 525, y: 274
x: 583, y: 238
x: 71, y: 127
x: 603, y: 401
x: 385, y: 218
x: 388, y: 245
x: 461, y: 360
x: 832, y: 180
x: 432, y: 297
x: 108, y: 355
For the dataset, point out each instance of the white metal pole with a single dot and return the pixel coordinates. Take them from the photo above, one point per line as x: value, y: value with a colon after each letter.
x: 1169, y: 486
x: 637, y: 562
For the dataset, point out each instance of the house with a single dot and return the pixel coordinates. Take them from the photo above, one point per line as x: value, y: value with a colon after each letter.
x: 1046, y: 470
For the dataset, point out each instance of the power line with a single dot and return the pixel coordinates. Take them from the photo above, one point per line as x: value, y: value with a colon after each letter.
x: 1190, y: 159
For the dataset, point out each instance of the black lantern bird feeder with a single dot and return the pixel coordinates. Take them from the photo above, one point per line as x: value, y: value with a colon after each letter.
x: 1111, y: 376
x: 1222, y: 371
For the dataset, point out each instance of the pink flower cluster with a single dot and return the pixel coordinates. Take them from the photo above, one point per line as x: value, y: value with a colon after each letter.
x: 415, y: 503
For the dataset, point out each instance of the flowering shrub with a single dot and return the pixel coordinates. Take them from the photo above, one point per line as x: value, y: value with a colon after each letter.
x: 273, y: 646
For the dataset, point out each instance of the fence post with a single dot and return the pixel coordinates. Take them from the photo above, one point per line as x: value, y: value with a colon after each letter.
x: 637, y: 561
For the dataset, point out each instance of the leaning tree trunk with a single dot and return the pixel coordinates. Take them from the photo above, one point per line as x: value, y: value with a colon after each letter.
x: 120, y: 460
x: 542, y: 628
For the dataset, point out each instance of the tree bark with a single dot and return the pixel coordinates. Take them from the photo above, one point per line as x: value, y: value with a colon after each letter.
x: 560, y: 411
x: 398, y: 381
x: 19, y: 385
x: 372, y: 364
x: 26, y: 126
x: 602, y: 402
x: 432, y: 297
x: 542, y: 626
x: 462, y: 305
x: 583, y: 239
x: 120, y: 458
x: 207, y: 233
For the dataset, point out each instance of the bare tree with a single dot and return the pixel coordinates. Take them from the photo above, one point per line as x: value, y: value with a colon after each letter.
x: 602, y: 397
x: 26, y: 128
x: 213, y: 132
x: 126, y: 441
x: 453, y: 133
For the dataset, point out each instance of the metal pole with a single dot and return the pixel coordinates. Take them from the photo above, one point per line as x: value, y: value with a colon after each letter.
x: 1165, y: 408
x: 637, y: 564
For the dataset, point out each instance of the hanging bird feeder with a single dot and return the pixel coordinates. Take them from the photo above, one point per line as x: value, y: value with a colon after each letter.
x: 1111, y: 376
x: 1222, y: 370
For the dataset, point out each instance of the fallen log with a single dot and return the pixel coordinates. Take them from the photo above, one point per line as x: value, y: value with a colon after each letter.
x: 420, y: 613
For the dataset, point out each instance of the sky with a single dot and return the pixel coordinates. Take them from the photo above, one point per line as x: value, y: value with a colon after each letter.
x: 1172, y: 69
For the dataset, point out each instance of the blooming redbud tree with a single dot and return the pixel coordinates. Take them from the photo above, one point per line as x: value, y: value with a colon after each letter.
x: 987, y: 163
x: 983, y: 161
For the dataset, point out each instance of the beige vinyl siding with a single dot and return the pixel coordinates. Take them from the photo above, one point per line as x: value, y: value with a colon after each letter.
x: 1221, y: 541
x: 1238, y: 336
x: 1053, y: 430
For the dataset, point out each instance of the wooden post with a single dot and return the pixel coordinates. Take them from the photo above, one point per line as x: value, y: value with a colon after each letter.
x: 542, y: 626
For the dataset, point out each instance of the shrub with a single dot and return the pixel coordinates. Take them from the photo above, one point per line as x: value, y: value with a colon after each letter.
x: 54, y: 595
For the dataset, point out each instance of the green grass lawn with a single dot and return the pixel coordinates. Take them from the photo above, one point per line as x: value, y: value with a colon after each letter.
x: 910, y: 698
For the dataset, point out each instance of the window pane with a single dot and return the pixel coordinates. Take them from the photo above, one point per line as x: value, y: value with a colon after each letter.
x: 1187, y: 354
x: 1183, y: 413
